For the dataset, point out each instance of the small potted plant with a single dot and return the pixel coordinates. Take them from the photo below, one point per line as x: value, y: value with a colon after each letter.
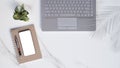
x: 20, y: 13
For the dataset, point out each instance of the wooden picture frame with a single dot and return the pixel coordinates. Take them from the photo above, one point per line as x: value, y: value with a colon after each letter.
x: 19, y: 47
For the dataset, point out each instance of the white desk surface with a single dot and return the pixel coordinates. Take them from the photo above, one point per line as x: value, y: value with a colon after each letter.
x: 99, y: 49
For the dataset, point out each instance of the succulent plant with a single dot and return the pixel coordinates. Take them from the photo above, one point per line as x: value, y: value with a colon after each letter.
x: 20, y: 13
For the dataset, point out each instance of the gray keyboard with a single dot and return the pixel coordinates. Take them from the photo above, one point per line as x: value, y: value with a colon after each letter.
x: 68, y: 15
x: 69, y: 8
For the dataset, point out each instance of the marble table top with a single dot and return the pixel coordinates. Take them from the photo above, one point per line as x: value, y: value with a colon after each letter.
x: 97, y: 49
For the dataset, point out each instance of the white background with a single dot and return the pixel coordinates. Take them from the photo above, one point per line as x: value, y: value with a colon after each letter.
x: 64, y: 49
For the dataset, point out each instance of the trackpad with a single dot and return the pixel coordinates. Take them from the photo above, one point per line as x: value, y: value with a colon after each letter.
x: 67, y: 23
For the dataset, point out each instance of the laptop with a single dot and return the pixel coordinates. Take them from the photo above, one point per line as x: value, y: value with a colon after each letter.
x: 68, y: 15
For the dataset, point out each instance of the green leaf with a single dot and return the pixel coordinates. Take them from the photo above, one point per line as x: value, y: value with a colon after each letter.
x: 25, y: 13
x: 22, y: 8
x: 26, y: 18
x: 17, y: 10
x: 16, y: 16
